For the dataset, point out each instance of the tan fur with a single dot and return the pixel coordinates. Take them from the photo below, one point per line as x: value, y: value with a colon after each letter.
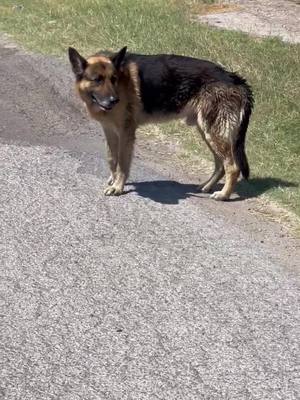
x: 98, y: 60
x: 120, y: 123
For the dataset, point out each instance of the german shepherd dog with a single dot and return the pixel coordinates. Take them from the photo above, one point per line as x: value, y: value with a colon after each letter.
x: 124, y: 90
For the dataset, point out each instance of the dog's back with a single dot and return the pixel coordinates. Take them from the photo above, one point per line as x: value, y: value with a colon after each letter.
x: 169, y: 82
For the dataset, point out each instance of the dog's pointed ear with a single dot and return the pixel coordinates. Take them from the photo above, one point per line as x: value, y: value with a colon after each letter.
x: 118, y: 58
x: 78, y: 63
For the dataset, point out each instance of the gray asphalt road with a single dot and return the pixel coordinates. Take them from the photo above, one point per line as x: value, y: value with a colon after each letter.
x: 154, y: 295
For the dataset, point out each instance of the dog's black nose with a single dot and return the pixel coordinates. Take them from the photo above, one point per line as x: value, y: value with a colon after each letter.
x: 113, y: 100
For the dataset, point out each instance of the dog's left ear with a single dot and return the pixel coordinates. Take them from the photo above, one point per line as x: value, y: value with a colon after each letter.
x: 118, y: 58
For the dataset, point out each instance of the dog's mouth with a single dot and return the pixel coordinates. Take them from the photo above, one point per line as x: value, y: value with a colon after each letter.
x: 103, y: 106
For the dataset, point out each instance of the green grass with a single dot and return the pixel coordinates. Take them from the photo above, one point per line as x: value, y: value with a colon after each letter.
x: 271, y: 67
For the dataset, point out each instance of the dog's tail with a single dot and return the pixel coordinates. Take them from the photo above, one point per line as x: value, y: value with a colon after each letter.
x: 239, y: 145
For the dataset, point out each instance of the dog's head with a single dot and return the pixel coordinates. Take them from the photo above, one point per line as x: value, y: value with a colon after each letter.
x: 97, y: 79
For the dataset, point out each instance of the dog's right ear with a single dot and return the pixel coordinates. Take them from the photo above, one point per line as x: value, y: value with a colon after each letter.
x: 78, y: 63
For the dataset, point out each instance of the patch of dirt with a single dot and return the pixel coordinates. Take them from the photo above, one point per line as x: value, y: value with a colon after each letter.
x: 278, y: 18
x: 199, y: 8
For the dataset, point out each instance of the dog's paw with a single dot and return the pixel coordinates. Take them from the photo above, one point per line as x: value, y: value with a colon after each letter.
x: 219, y: 196
x: 113, y: 190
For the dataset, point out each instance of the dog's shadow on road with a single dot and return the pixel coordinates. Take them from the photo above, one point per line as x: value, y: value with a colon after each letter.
x: 171, y: 192
x: 165, y: 192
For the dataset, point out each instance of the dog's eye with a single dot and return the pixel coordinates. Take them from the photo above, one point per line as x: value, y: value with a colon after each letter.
x: 98, y: 79
x: 113, y: 80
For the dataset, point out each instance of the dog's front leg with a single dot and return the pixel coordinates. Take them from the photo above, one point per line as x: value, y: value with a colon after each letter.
x: 125, y: 151
x: 112, y: 146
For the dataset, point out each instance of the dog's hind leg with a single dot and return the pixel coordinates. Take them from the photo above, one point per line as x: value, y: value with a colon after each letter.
x: 220, y: 136
x: 232, y: 173
x: 218, y: 171
x: 216, y: 176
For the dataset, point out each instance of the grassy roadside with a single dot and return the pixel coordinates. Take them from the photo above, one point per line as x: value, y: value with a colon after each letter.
x: 153, y: 26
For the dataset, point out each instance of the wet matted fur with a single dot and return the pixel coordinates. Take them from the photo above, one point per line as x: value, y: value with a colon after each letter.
x: 124, y: 90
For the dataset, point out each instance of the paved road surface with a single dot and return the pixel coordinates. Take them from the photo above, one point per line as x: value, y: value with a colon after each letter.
x: 152, y: 295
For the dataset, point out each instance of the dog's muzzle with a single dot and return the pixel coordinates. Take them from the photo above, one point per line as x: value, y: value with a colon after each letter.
x: 105, y: 104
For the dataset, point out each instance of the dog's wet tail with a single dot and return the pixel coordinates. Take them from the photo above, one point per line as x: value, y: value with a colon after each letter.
x: 239, y: 146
